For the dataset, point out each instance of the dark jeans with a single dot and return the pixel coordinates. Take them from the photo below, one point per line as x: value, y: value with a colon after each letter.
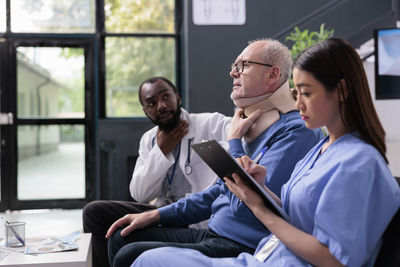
x: 98, y: 217
x: 122, y: 251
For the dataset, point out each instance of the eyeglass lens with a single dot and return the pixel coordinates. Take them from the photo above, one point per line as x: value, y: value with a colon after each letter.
x: 238, y: 66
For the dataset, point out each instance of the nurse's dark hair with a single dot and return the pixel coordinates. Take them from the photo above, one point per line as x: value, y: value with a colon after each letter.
x: 333, y: 61
x: 153, y: 80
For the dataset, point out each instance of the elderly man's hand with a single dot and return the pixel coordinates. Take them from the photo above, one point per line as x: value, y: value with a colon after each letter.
x: 132, y: 222
x: 239, y: 125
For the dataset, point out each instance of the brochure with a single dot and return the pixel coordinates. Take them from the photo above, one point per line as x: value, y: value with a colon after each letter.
x: 52, y: 244
x: 43, y: 244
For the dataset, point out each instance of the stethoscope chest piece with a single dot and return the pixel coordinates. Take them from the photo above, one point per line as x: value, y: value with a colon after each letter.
x: 188, y: 169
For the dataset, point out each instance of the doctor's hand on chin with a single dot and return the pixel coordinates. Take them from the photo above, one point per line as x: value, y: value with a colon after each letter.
x: 167, y: 141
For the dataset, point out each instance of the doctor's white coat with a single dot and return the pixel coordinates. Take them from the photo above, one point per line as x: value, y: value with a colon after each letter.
x: 152, y: 165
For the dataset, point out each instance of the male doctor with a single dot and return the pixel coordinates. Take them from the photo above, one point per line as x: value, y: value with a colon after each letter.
x: 166, y: 169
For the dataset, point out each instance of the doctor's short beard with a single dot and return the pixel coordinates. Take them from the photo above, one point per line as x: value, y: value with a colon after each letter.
x: 171, y: 124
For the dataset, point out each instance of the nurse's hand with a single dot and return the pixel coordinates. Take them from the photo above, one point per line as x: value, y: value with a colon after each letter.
x: 132, y: 222
x: 244, y: 193
x: 239, y: 187
x: 258, y: 172
x: 240, y: 124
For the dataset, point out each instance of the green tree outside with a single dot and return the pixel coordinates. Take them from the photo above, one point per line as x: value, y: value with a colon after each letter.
x: 130, y: 60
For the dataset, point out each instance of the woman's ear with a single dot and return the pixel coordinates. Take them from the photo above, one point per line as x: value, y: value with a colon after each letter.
x: 343, y: 93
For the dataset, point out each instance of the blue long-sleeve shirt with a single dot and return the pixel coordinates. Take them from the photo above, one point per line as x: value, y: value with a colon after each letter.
x: 288, y: 140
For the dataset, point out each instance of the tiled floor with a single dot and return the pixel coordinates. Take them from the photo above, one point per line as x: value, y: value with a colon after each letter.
x: 46, y: 222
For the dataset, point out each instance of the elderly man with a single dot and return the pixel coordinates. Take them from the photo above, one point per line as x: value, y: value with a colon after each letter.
x: 166, y: 169
x: 266, y: 118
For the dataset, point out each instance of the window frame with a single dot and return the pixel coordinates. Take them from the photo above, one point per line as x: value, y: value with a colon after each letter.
x: 101, y: 31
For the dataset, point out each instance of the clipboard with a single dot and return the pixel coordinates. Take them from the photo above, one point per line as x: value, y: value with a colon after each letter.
x: 224, y: 165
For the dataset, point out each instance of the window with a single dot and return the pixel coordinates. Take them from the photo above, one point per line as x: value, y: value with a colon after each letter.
x: 2, y: 15
x: 129, y: 61
x: 140, y: 42
x: 54, y: 73
x: 74, y: 16
x: 155, y: 16
x: 51, y: 157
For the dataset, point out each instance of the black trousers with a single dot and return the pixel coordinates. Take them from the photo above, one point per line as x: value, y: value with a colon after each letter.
x: 122, y: 251
x: 97, y: 218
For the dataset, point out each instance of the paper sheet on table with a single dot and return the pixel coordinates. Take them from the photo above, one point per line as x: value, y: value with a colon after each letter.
x: 3, y: 254
x: 41, y: 245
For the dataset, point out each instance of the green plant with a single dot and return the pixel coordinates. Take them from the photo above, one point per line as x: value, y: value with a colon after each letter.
x: 303, y: 39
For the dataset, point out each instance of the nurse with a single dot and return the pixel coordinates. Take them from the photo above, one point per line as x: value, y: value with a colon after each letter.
x: 341, y: 196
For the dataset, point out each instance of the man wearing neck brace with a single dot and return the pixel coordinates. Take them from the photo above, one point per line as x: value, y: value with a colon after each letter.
x: 266, y: 118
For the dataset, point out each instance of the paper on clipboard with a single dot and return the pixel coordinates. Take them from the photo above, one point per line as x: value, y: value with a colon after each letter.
x: 224, y: 165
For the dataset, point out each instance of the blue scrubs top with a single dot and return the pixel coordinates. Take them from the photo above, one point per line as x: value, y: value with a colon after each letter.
x: 344, y: 197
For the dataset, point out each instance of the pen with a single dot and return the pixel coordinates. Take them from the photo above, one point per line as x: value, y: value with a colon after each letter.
x: 14, y: 232
x: 259, y: 156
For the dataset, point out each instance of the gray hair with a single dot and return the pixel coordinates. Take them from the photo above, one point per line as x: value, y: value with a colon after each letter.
x: 277, y: 54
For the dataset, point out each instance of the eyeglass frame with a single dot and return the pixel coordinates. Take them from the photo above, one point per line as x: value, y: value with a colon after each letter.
x: 235, y: 65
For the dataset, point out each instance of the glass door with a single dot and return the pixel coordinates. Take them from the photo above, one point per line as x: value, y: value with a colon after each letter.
x: 51, y: 92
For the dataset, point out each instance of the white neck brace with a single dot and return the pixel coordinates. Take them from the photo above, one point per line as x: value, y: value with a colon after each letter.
x: 270, y: 104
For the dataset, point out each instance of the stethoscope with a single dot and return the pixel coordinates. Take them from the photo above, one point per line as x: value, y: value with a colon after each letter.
x: 188, y: 166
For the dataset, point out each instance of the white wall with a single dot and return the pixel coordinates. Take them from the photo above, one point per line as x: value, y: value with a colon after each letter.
x: 389, y: 114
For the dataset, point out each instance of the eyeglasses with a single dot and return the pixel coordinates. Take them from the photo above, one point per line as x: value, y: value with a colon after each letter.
x: 239, y: 66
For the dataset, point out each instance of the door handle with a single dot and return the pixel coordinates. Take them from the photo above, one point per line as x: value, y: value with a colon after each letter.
x: 6, y: 118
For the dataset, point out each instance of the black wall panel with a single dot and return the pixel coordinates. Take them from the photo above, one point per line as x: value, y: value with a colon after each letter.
x: 209, y: 50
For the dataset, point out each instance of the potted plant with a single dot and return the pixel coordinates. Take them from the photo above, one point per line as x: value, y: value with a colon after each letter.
x: 303, y: 39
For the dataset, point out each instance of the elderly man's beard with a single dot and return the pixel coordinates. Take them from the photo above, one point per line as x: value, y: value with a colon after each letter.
x: 171, y: 124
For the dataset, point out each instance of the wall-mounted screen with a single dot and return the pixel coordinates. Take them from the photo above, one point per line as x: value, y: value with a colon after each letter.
x: 387, y: 63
